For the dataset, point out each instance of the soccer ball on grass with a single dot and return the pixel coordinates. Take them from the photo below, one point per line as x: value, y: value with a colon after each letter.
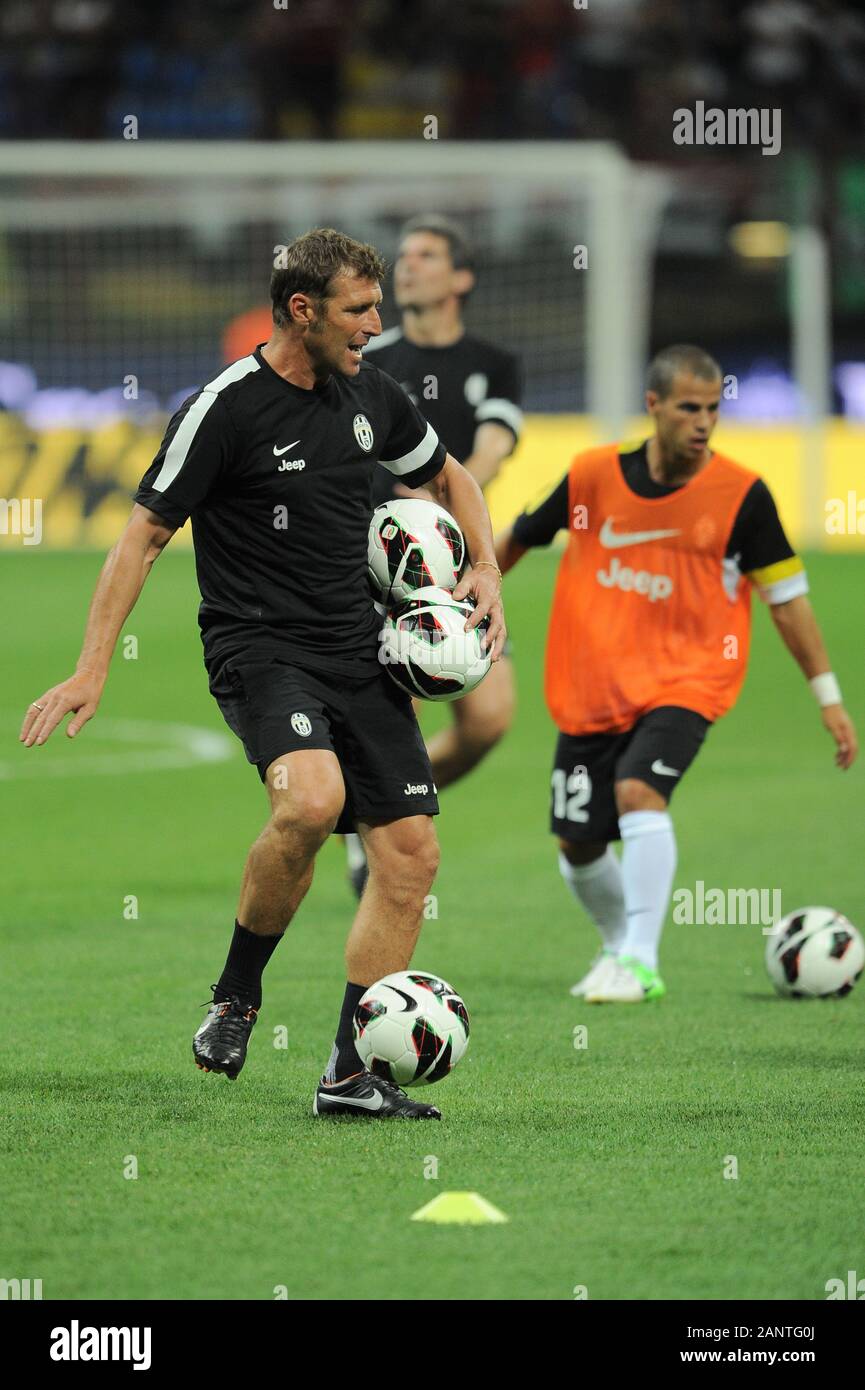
x: 814, y: 952
x: 411, y: 1028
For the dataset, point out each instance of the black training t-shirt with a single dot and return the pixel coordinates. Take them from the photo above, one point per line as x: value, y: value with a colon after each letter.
x: 457, y: 388
x: 277, y: 481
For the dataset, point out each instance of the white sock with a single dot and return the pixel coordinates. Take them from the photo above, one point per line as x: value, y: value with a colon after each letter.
x: 648, y: 866
x: 354, y: 851
x: 598, y: 886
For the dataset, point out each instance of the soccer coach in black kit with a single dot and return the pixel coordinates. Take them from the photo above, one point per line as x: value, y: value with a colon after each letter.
x: 273, y: 460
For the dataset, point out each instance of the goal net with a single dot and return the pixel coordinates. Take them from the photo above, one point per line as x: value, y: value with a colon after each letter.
x: 131, y: 272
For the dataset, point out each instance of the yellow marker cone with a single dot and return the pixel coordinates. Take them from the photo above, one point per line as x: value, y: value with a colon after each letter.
x: 459, y: 1208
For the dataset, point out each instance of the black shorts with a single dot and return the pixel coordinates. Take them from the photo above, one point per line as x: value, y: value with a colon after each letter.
x: 658, y: 750
x: 275, y: 708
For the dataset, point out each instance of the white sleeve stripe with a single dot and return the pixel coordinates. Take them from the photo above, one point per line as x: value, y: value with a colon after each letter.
x: 417, y: 458
x: 235, y: 372
x: 175, y: 455
x: 499, y: 409
x: 785, y: 589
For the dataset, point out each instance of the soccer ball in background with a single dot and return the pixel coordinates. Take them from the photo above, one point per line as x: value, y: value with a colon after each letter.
x: 426, y: 649
x: 411, y: 1028
x: 413, y: 544
x: 814, y: 952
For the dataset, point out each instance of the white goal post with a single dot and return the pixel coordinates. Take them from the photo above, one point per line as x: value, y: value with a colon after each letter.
x: 126, y: 260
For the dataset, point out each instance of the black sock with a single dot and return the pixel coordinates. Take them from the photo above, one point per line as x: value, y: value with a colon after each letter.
x: 248, y: 954
x: 344, y: 1060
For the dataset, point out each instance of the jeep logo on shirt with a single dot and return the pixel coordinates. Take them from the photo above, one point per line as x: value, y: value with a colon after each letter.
x: 619, y: 576
x: 363, y: 432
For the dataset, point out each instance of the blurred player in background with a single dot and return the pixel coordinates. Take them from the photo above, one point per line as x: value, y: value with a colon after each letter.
x: 648, y: 646
x: 245, y: 332
x: 469, y: 391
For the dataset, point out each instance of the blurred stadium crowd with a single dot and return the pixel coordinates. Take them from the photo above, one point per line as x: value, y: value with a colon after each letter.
x: 488, y: 69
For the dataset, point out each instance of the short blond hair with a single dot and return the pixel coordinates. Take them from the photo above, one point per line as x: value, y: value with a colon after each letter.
x: 681, y: 357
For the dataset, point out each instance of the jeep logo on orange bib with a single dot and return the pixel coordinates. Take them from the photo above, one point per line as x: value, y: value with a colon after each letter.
x: 619, y: 576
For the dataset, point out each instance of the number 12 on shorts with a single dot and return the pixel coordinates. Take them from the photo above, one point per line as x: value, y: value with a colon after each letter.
x: 572, y: 791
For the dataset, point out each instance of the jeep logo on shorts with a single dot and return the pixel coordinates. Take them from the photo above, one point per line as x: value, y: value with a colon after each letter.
x: 412, y: 789
x: 301, y: 725
x: 363, y: 432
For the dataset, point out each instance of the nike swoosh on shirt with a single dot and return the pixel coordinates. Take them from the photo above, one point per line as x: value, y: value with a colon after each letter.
x: 286, y: 449
x: 373, y: 1102
x: 663, y: 771
x: 611, y: 539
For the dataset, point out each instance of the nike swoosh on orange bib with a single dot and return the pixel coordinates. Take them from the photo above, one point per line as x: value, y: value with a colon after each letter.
x: 612, y: 540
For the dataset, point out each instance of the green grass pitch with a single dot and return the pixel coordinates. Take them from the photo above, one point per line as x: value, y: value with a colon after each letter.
x: 609, y: 1160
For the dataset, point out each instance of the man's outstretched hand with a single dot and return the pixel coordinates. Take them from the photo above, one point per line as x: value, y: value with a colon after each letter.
x: 79, y: 696
x: 840, y: 726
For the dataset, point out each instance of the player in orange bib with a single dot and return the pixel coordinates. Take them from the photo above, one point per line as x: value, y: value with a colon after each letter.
x: 648, y: 646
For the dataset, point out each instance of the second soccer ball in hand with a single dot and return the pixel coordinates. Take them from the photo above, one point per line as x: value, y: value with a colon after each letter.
x: 428, y: 652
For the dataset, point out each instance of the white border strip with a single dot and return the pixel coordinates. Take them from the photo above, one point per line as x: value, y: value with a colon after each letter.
x: 409, y: 463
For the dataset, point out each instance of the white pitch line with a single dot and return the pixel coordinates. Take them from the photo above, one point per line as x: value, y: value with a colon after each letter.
x: 171, y: 748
